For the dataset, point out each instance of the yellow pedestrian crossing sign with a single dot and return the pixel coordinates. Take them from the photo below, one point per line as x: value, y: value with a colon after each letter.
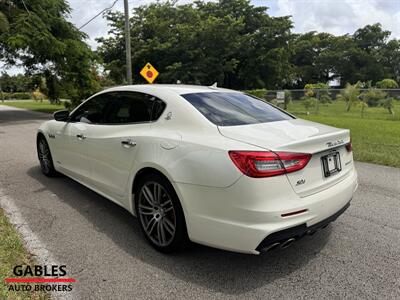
x: 149, y: 73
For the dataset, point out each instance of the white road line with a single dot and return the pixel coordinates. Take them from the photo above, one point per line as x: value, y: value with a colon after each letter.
x: 31, y: 241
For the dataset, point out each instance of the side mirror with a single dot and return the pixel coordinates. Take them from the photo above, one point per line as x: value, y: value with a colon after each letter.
x: 61, y: 115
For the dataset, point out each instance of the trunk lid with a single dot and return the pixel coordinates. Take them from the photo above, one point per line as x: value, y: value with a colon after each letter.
x: 303, y: 136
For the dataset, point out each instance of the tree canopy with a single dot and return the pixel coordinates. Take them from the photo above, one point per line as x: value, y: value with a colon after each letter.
x: 37, y: 34
x: 240, y: 46
x: 231, y: 42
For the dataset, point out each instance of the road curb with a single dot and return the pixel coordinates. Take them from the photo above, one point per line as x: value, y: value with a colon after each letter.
x: 31, y: 241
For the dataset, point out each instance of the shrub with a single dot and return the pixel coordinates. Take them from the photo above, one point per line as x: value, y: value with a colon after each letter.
x: 38, y: 95
x: 388, y: 104
x: 260, y: 93
x: 319, y: 90
x: 387, y: 84
x: 308, y: 103
x: 373, y: 97
x: 17, y: 96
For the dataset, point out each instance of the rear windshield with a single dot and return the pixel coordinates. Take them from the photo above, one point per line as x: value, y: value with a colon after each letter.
x: 229, y: 109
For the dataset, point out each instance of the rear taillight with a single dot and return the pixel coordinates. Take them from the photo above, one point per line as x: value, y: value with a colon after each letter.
x: 267, y: 164
x: 349, y: 146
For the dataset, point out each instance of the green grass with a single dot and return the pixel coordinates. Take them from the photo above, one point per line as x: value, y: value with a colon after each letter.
x: 12, y: 253
x: 338, y: 109
x: 44, y: 106
x: 376, y: 137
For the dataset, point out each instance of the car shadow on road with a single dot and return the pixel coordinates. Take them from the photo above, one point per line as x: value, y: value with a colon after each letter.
x: 219, y: 271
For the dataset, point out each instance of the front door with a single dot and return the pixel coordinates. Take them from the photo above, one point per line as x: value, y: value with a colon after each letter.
x: 113, y: 144
x: 73, y: 150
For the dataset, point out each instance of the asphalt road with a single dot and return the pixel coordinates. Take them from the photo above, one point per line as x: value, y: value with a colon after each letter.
x: 357, y: 257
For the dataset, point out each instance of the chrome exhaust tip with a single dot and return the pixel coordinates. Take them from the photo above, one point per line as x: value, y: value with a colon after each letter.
x: 271, y: 247
x: 287, y: 243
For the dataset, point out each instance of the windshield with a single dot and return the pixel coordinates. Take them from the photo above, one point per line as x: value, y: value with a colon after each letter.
x: 229, y: 109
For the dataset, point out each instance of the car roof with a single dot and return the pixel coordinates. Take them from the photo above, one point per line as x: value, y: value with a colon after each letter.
x: 179, y: 89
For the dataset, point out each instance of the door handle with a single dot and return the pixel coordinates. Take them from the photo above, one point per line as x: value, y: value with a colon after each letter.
x: 128, y: 143
x: 81, y: 137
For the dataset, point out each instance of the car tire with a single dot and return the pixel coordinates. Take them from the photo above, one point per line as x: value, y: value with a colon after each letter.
x: 160, y: 214
x: 45, y: 158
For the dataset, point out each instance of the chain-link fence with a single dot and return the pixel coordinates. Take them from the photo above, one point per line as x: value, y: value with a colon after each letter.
x: 353, y: 102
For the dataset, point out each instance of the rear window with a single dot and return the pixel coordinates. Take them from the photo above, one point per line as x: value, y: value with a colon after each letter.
x: 229, y: 109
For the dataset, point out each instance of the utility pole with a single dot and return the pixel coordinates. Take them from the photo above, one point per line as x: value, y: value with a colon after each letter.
x: 128, y: 44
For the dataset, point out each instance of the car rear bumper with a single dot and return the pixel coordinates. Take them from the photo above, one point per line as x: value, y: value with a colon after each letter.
x: 284, y: 237
x: 239, y: 218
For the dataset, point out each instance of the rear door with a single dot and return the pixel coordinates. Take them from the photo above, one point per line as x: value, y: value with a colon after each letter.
x: 113, y: 144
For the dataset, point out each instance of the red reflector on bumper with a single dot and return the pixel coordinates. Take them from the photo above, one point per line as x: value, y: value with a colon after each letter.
x: 294, y: 213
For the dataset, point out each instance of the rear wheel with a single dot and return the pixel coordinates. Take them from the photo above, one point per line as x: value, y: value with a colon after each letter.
x: 45, y: 158
x: 160, y: 213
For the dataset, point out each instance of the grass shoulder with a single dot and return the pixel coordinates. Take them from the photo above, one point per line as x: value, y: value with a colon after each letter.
x: 13, y: 253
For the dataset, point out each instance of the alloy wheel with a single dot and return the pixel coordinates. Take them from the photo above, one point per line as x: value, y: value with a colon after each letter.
x: 157, y: 214
x: 44, y: 156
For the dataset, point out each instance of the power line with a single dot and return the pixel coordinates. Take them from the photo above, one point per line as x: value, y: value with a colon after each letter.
x: 108, y: 8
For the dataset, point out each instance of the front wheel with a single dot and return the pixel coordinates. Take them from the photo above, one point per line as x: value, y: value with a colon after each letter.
x: 45, y: 158
x: 160, y: 214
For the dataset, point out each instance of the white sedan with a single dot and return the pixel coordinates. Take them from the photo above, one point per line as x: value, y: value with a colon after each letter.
x: 209, y: 165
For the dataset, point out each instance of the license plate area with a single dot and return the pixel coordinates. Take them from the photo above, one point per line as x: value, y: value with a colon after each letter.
x: 331, y: 163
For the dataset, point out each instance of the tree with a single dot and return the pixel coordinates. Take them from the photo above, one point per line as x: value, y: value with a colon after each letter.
x: 365, y: 55
x: 314, y: 57
x: 350, y: 95
x: 230, y: 42
x: 44, y: 41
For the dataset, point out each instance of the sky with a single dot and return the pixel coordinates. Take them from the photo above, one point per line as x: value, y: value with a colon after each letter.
x: 334, y: 16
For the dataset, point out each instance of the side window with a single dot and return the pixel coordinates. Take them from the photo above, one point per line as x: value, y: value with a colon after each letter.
x: 91, y: 111
x: 133, y: 107
x: 158, y: 108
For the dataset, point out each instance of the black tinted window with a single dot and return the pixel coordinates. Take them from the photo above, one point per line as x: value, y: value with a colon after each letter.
x: 228, y: 109
x: 120, y: 108
x: 133, y: 107
x: 91, y: 111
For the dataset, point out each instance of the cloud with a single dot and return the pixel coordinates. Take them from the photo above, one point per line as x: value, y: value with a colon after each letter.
x: 341, y: 16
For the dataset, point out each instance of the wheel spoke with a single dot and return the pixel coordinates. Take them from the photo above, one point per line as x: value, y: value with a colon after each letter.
x: 145, y: 213
x: 150, y: 226
x: 167, y: 203
x: 160, y: 233
x: 169, y: 226
x: 148, y: 195
x: 146, y: 207
x: 157, y: 193
x: 168, y: 209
